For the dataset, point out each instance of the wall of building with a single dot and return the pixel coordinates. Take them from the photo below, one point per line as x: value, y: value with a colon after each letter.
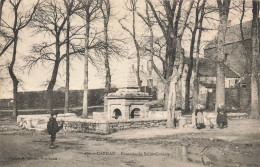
x: 237, y: 99
x: 235, y: 55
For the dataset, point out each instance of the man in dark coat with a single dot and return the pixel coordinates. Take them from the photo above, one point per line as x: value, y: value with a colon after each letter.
x: 53, y: 127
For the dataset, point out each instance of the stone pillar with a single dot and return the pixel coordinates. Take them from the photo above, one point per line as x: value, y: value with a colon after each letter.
x: 105, y: 105
x: 146, y: 110
x: 125, y: 111
x: 108, y: 111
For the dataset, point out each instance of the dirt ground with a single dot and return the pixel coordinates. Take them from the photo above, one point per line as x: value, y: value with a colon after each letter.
x: 237, y: 145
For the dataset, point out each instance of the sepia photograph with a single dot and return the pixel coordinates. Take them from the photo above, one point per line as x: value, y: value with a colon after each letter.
x: 129, y: 83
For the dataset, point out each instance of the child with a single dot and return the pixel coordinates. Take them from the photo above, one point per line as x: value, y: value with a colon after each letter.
x: 200, y: 119
x: 53, y: 127
x: 222, y: 118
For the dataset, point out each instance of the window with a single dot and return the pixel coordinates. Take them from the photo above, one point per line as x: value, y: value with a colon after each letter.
x: 135, y: 113
x: 117, y: 114
x: 243, y: 85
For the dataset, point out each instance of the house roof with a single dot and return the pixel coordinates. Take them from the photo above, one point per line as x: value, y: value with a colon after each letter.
x: 207, y: 68
x: 233, y: 34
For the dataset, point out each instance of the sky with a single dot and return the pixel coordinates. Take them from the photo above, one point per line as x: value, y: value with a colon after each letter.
x: 37, y: 78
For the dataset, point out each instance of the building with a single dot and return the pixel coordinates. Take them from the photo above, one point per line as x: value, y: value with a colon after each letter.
x: 207, y: 81
x: 236, y: 54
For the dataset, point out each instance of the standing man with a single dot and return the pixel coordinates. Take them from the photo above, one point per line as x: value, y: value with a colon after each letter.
x: 53, y: 127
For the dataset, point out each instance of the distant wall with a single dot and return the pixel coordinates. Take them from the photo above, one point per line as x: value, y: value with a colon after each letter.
x: 37, y: 99
x: 6, y: 104
x: 236, y: 98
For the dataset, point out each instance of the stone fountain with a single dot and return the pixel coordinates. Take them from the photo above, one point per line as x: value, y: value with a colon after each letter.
x: 128, y: 102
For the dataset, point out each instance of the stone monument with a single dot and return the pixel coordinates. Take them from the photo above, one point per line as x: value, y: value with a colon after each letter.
x: 128, y: 102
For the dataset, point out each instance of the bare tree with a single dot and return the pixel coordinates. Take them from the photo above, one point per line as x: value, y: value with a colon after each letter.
x: 69, y: 6
x: 169, y: 25
x: 105, y: 8
x: 172, y: 28
x: 20, y: 22
x: 6, y: 37
x: 196, y: 69
x: 51, y: 20
x: 150, y: 65
x: 199, y: 9
x: 223, y: 8
x: 67, y: 85
x: 132, y: 33
x: 255, y: 57
x: 91, y: 8
x: 177, y: 71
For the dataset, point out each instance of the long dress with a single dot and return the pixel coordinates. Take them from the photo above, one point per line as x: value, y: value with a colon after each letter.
x: 222, y: 120
x: 200, y: 118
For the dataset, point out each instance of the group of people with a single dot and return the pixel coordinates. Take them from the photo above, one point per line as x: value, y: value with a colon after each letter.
x: 221, y: 119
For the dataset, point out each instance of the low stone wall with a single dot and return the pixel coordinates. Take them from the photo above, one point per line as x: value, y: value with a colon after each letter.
x: 237, y: 115
x: 102, y: 126
x: 87, y: 126
x: 39, y: 122
x: 212, y: 117
x: 163, y: 114
x: 77, y: 124
x: 114, y: 126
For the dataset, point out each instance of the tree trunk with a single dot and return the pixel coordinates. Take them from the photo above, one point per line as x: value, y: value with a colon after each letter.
x: 170, y: 55
x: 166, y: 95
x: 171, y: 103
x: 150, y: 62
x: 196, y: 70
x: 67, y: 89
x: 138, y: 66
x: 220, y: 80
x: 136, y: 45
x: 255, y: 57
x: 85, y: 97
x: 14, y: 78
x: 196, y: 76
x: 189, y: 73
x: 107, y: 67
x: 175, y: 78
x: 1, y: 9
x: 49, y: 95
x: 195, y: 89
x: 199, y: 9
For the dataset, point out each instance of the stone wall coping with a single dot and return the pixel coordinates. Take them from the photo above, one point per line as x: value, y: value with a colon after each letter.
x: 237, y: 114
x: 112, y: 121
x: 129, y: 97
x: 47, y: 115
x: 136, y: 120
x: 178, y: 111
